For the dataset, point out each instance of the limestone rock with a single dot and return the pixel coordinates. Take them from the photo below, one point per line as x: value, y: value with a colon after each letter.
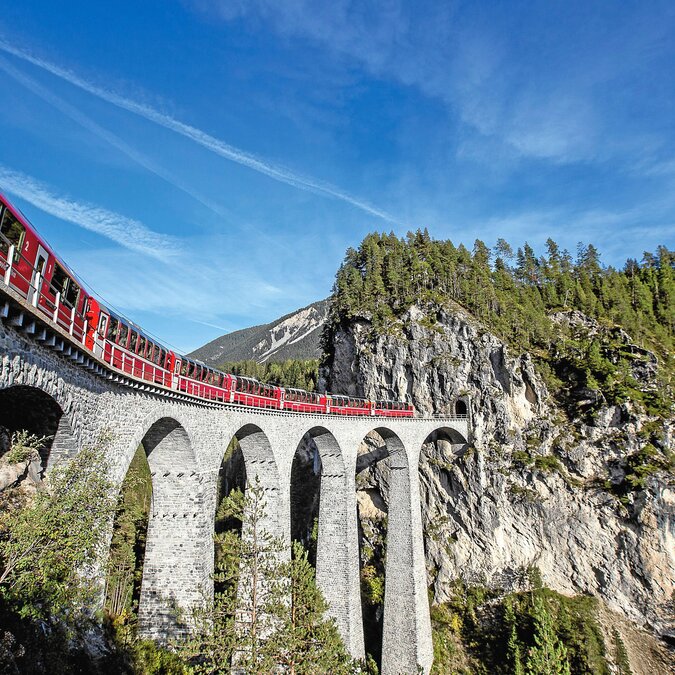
x: 489, y: 512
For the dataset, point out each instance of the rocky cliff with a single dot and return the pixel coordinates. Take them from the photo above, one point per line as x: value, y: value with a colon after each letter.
x: 580, y: 490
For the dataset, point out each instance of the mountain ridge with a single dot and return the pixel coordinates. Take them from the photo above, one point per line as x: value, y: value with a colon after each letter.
x: 293, y: 336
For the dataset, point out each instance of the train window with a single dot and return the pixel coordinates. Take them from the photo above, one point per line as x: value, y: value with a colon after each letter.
x: 124, y: 334
x: 113, y: 328
x: 161, y: 355
x: 184, y: 368
x: 133, y: 341
x: 59, y: 281
x: 142, y: 342
x: 11, y: 232
x: 72, y: 293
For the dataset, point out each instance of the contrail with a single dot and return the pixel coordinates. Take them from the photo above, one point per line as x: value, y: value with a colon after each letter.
x: 200, y: 137
x: 127, y: 232
x: 96, y: 129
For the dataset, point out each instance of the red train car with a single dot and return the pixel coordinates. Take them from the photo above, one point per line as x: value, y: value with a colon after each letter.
x: 30, y: 267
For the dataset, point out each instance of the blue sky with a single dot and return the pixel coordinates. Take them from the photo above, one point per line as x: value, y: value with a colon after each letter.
x: 204, y: 164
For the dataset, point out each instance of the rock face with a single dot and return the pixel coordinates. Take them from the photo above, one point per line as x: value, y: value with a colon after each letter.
x: 530, y: 489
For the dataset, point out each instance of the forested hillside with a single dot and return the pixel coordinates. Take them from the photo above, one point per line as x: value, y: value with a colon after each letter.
x: 516, y: 296
x: 298, y: 373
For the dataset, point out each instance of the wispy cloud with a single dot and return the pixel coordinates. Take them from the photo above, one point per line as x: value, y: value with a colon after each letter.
x: 211, y: 143
x: 124, y: 231
x: 132, y: 153
x: 544, y: 97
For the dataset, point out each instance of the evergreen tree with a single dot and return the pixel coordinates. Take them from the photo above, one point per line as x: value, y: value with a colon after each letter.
x: 548, y: 656
x: 268, y: 614
x: 514, y: 651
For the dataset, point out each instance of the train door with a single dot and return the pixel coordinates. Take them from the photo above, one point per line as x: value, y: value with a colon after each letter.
x: 92, y: 313
x: 38, y: 275
x: 176, y: 373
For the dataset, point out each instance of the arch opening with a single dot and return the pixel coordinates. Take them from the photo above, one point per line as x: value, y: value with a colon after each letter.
x: 440, y: 461
x: 461, y: 408
x: 379, y: 454
x: 306, y: 477
x: 128, y: 542
x: 174, y: 564
x: 247, y: 461
x: 232, y: 481
x: 30, y: 409
x: 254, y: 463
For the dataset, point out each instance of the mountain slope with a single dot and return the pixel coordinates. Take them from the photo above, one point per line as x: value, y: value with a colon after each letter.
x: 294, y: 336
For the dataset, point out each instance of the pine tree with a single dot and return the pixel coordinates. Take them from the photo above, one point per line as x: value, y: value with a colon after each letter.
x: 269, y: 614
x: 305, y: 642
x: 514, y: 652
x: 548, y: 656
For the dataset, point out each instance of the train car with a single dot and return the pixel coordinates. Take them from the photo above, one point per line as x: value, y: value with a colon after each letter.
x: 126, y: 347
x: 249, y: 391
x: 34, y: 271
x: 299, y: 400
x: 392, y: 409
x: 349, y: 405
x: 198, y: 379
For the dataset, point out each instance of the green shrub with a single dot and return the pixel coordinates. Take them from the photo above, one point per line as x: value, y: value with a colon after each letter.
x: 25, y: 446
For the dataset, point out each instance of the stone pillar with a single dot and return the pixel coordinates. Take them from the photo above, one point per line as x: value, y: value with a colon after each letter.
x: 337, y: 554
x: 179, y: 550
x: 406, y: 640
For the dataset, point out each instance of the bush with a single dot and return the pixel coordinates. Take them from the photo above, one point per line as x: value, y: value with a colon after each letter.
x: 25, y: 446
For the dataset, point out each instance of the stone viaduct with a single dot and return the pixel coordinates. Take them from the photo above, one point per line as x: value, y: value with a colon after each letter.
x: 44, y: 373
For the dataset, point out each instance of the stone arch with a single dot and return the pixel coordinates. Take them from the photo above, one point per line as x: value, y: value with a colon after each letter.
x: 179, y: 548
x: 24, y: 407
x: 406, y: 607
x: 461, y: 407
x: 450, y: 436
x: 143, y: 428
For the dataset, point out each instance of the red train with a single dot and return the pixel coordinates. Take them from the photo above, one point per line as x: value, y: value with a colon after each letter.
x: 31, y: 268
